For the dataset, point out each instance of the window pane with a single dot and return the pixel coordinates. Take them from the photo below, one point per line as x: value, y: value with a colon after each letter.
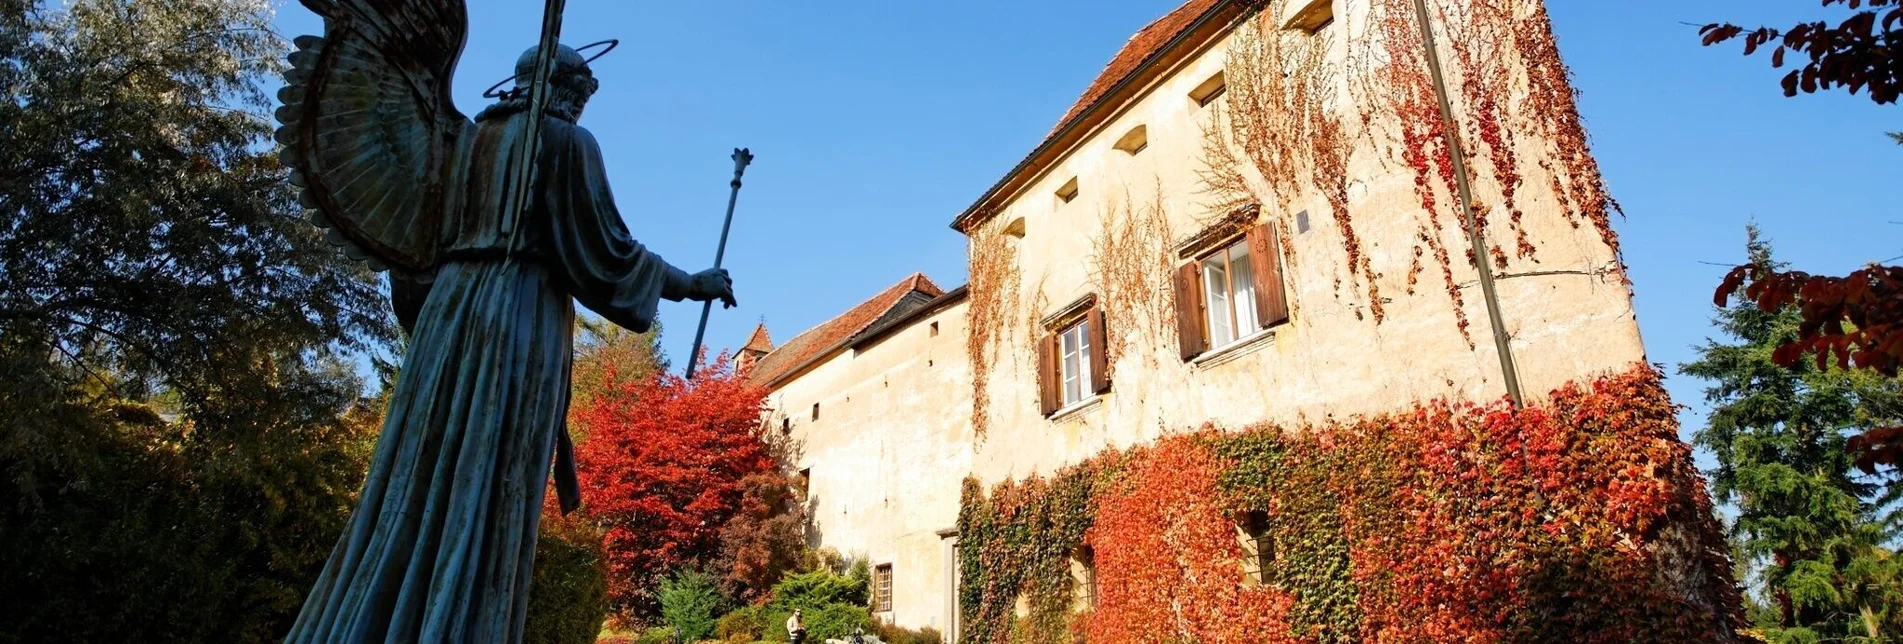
x: 1071, y: 362
x: 1083, y: 360
x: 1216, y: 298
x: 1242, y: 279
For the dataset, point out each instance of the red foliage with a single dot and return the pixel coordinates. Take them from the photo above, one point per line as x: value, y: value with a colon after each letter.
x: 1854, y: 54
x: 661, y: 471
x: 765, y: 539
x: 1166, y: 558
x: 1857, y: 318
x: 1578, y: 520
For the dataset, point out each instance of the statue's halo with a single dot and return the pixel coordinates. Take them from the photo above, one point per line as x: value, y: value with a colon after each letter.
x: 496, y: 91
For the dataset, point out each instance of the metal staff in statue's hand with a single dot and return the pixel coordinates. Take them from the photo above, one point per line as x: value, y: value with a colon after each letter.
x: 741, y: 157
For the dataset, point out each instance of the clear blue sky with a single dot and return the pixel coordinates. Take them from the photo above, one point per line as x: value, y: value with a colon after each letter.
x: 875, y: 123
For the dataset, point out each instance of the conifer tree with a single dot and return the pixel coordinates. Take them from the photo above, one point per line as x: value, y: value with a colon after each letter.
x: 1814, y: 530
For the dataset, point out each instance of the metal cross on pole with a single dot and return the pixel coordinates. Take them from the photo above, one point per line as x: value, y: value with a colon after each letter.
x: 741, y: 157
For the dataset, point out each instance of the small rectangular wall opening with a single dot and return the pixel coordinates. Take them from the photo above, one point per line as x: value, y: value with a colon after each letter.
x: 1209, y: 90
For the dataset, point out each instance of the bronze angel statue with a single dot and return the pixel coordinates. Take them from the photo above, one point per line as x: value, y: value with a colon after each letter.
x: 442, y: 541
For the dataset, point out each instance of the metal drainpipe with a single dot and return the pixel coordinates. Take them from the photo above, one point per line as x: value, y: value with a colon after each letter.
x: 1501, y: 343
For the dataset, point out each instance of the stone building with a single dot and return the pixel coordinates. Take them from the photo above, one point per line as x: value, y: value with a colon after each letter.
x: 1155, y: 264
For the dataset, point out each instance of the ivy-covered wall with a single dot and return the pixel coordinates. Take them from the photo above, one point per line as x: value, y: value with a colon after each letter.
x: 1580, y: 519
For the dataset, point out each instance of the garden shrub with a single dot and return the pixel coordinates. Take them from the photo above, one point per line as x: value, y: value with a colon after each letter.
x: 891, y: 634
x: 568, y: 598
x: 690, y: 601
x: 744, y: 624
x: 1578, y: 520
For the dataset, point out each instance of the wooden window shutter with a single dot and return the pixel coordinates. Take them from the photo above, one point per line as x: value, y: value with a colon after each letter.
x: 1099, y: 356
x: 1189, y: 310
x: 1271, y: 300
x: 1050, y: 397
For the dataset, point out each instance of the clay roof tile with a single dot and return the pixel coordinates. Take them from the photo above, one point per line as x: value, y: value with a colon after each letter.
x: 836, y: 333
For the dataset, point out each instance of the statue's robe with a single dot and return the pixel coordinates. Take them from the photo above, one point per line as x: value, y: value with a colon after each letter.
x: 443, y: 539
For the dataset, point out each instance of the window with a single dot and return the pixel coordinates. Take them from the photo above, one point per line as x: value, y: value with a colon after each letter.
x: 934, y: 329
x: 1258, y: 548
x: 1071, y: 360
x: 1135, y: 140
x: 1230, y: 293
x: 815, y: 411
x: 803, y: 483
x: 1209, y: 90
x: 786, y: 426
x: 1083, y: 568
x: 1075, y: 362
x: 882, y: 589
x: 1068, y: 191
x: 1314, y: 17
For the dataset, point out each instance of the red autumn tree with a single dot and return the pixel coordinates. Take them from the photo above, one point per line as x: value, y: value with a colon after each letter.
x: 1860, y: 52
x: 661, y: 472
x: 1857, y: 318
x: 765, y: 540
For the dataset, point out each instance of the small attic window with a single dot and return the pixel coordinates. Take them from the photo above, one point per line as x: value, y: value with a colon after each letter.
x: 1135, y: 140
x: 815, y: 411
x: 1069, y: 191
x: 1313, y: 17
x: 1209, y: 90
x: 934, y: 329
x: 1016, y: 227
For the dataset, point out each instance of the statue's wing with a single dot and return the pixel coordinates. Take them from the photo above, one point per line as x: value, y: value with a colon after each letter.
x: 370, y: 131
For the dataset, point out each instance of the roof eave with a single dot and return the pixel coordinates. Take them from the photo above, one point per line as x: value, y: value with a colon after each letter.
x: 1114, y: 96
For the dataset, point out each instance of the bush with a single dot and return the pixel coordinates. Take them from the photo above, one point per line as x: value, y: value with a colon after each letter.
x: 568, y: 598
x: 744, y: 625
x: 689, y: 602
x: 656, y: 635
x: 892, y: 634
x: 835, y: 620
x: 811, y: 590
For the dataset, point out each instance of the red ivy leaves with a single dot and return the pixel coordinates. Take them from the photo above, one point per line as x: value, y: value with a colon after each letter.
x: 1854, y: 319
x: 1579, y: 520
x: 662, y: 468
x: 1862, y: 51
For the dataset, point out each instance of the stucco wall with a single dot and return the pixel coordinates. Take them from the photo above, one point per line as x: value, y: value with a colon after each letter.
x: 888, y: 454
x: 1568, y: 317
x: 895, y: 433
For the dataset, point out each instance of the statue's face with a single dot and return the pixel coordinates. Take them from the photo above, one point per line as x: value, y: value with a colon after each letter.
x: 572, y: 91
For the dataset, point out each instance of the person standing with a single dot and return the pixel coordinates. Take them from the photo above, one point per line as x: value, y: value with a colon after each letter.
x: 795, y: 629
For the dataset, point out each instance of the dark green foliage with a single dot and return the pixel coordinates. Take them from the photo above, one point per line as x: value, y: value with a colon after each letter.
x: 811, y: 590
x: 1021, y: 540
x: 1813, y: 529
x: 181, y: 432
x: 744, y: 624
x: 690, y: 602
x: 568, y: 599
x: 1310, y: 549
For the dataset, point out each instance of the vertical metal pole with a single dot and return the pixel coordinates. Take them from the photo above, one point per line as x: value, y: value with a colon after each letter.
x: 522, y: 173
x: 741, y: 157
x: 1501, y: 343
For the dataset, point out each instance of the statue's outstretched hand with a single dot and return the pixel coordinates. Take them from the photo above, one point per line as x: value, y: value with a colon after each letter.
x: 714, y: 284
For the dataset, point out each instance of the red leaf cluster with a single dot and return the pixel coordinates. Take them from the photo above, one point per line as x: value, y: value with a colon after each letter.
x: 1861, y: 51
x: 1855, y: 319
x: 662, y: 471
x: 1166, y: 558
x: 1582, y: 519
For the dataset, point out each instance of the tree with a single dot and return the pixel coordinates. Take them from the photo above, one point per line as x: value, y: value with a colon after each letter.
x: 1858, y: 317
x: 765, y: 539
x: 661, y: 472
x: 1815, y: 529
x: 1865, y: 50
x: 181, y: 429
